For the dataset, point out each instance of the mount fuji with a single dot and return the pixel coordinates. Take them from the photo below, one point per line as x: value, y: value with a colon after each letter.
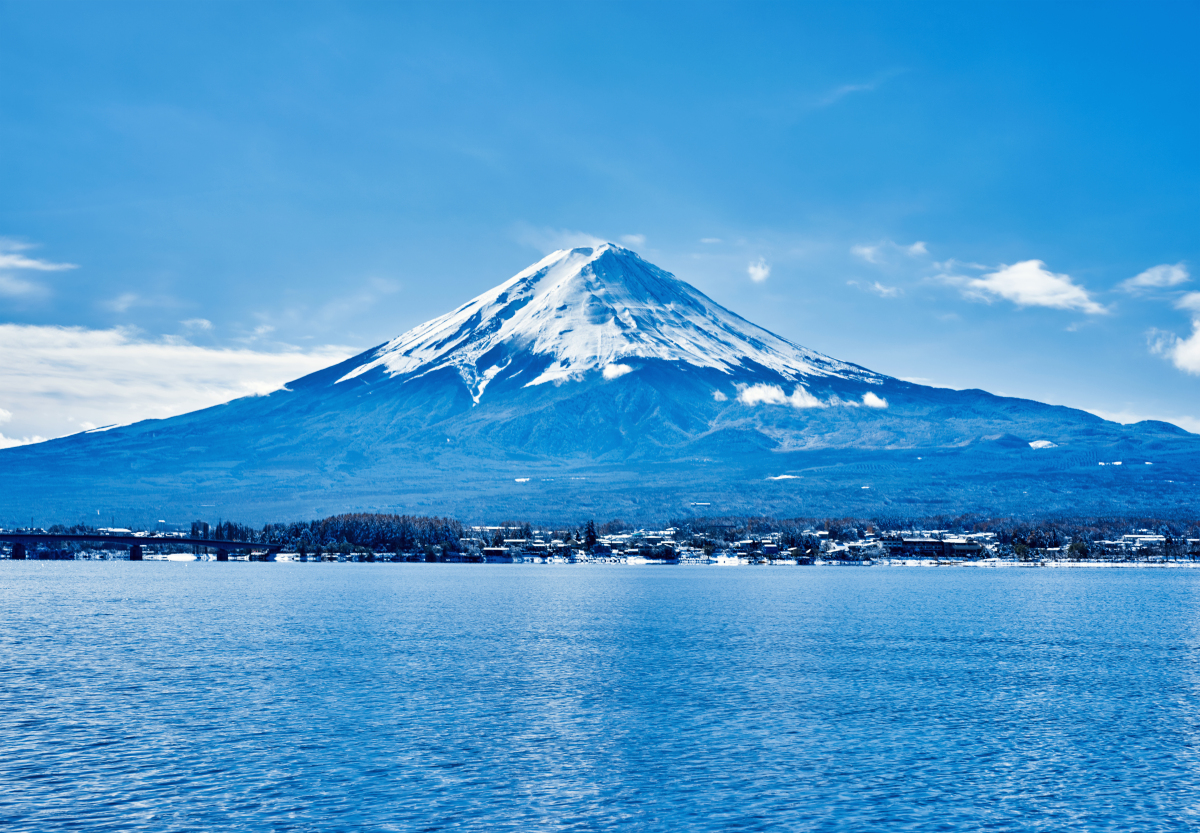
x: 594, y: 384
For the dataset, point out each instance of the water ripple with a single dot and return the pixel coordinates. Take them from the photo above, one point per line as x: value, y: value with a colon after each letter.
x: 185, y: 696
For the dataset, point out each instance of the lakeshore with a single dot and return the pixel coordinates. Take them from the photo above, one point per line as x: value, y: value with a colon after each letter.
x: 718, y: 561
x: 718, y: 542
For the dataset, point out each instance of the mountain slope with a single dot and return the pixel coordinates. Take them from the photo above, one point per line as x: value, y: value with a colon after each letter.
x: 594, y: 384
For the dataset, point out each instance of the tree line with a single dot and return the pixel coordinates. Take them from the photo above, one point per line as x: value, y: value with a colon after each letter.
x: 378, y: 532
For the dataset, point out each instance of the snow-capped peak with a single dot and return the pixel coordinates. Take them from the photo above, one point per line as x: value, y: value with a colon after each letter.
x: 588, y: 310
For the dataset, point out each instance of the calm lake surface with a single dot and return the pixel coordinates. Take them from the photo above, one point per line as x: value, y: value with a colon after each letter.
x: 205, y: 696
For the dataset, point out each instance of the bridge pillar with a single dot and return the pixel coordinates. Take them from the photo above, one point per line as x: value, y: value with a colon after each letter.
x: 18, y: 552
x: 222, y: 555
x: 135, y: 552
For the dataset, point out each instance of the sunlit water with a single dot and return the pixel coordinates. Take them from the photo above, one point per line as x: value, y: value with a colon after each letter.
x: 204, y: 696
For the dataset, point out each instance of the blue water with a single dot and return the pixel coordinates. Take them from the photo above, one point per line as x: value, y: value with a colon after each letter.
x: 204, y: 696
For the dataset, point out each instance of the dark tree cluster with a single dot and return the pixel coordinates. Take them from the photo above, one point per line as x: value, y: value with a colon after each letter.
x: 380, y: 533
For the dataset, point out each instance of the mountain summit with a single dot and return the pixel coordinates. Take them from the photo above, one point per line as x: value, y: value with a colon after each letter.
x: 594, y: 384
x: 593, y: 310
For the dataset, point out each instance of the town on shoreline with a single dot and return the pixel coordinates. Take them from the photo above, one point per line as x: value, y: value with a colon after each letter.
x: 735, y: 541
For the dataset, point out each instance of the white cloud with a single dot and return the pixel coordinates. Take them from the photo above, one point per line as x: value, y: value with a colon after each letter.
x: 801, y: 398
x: 202, y: 324
x: 759, y: 270
x: 634, y: 239
x: 763, y: 394
x: 1184, y: 353
x: 613, y: 371
x: 5, y: 416
x: 1028, y: 284
x: 11, y: 258
x: 710, y: 240
x: 917, y: 248
x: 785, y: 477
x: 873, y: 401
x: 12, y: 442
x: 719, y: 396
x: 59, y: 380
x: 1157, y: 277
x: 1190, y: 301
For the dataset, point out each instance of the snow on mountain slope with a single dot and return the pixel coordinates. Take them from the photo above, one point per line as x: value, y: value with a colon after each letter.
x: 594, y: 309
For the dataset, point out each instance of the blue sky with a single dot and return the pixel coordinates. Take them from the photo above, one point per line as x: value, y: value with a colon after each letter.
x: 219, y: 196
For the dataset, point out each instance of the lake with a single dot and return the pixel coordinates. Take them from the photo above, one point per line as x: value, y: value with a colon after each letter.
x: 242, y: 696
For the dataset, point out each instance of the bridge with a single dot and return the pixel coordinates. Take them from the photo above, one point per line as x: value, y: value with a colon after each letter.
x: 21, y: 542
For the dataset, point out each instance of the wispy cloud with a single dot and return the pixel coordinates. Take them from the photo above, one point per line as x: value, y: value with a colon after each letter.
x: 123, y: 302
x: 708, y: 241
x: 1028, y: 284
x: 60, y: 380
x: 952, y: 265
x: 1157, y: 277
x: 11, y: 258
x: 879, y: 289
x: 868, y: 253
x: 836, y: 94
x: 129, y: 300
x: 14, y: 287
x: 759, y: 270
x: 877, y: 253
x: 547, y: 240
x: 638, y: 240
x: 344, y: 307
x: 198, y: 324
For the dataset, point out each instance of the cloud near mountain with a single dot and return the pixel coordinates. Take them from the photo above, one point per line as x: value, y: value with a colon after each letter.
x: 59, y: 380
